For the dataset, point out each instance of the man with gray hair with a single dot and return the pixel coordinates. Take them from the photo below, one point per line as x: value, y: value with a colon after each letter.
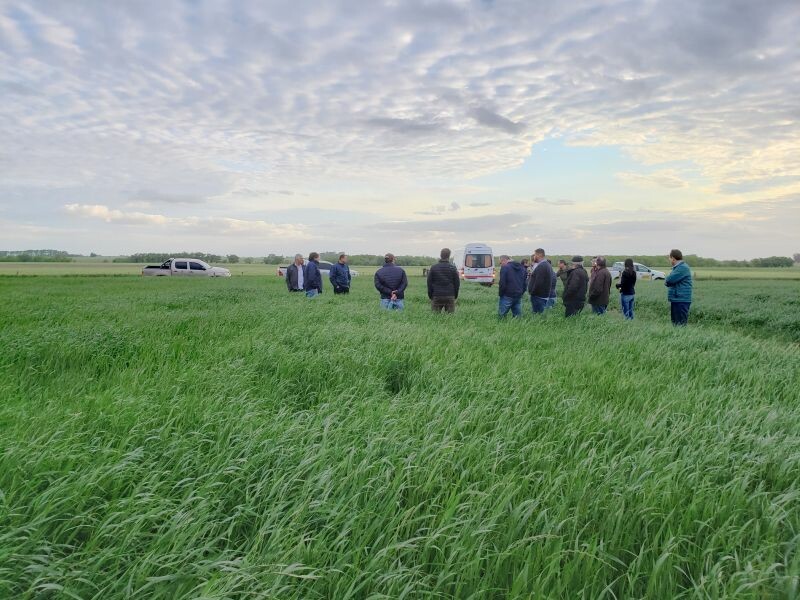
x: 296, y: 274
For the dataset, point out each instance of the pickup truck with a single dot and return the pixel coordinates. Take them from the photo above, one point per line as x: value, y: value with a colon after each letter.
x: 642, y: 272
x: 190, y: 267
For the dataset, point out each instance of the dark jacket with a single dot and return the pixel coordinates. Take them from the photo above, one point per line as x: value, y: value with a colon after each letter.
x: 553, y: 282
x: 627, y: 283
x: 340, y: 276
x: 541, y: 280
x: 443, y: 280
x: 600, y: 287
x: 313, y: 277
x: 679, y: 282
x: 512, y: 280
x: 575, y: 285
x: 391, y: 278
x: 291, y: 276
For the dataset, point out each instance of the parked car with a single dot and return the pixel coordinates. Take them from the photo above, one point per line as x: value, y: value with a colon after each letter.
x: 324, y: 267
x: 642, y: 272
x: 192, y: 267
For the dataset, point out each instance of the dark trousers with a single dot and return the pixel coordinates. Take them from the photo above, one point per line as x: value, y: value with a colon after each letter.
x: 572, y: 308
x: 680, y: 312
x: 443, y: 303
x: 338, y: 289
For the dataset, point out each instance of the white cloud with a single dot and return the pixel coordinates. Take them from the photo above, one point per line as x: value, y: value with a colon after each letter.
x: 225, y: 107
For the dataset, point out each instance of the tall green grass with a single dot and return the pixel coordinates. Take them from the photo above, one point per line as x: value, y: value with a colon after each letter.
x: 170, y: 438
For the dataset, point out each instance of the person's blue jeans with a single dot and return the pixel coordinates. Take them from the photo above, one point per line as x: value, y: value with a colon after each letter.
x: 538, y: 304
x: 626, y: 300
x: 599, y: 309
x: 390, y: 304
x: 507, y: 303
x: 680, y: 312
x: 551, y: 302
x: 311, y: 293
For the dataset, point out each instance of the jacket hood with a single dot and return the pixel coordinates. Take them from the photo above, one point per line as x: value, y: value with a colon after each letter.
x: 515, y: 266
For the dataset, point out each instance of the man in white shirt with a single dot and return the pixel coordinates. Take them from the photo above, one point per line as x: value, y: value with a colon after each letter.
x: 295, y: 274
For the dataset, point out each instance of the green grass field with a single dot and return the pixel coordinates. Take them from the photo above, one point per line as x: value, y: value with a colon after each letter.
x: 221, y: 438
x: 96, y: 267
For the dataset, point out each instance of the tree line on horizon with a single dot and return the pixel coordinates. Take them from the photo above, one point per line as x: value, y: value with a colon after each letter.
x: 377, y: 259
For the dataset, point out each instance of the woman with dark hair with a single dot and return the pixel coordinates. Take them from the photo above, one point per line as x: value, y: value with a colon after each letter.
x: 626, y: 285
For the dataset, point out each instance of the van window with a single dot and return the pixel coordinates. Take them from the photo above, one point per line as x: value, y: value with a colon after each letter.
x: 180, y: 264
x: 478, y: 261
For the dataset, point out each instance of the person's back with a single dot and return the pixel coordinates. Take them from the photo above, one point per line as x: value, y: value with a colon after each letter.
x: 679, y: 288
x: 443, y: 284
x: 391, y: 282
x: 576, y: 285
x: 512, y: 280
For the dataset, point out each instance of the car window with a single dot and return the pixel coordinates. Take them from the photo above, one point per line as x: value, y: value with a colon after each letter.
x: 324, y: 265
x: 642, y: 269
x: 478, y: 261
x: 196, y: 266
x: 180, y: 264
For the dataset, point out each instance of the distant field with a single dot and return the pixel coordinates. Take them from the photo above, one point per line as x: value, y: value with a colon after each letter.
x: 222, y: 438
x: 96, y: 267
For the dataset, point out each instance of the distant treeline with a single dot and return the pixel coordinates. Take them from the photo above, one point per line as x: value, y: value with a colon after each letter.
x: 33, y: 258
x: 423, y: 261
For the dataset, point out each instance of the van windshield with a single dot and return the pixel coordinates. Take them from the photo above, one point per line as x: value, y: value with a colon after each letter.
x: 478, y: 261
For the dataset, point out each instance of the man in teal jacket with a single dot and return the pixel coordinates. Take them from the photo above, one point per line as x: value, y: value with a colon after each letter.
x: 679, y: 288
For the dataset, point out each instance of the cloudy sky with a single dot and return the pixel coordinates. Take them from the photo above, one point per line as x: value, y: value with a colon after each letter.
x: 257, y: 127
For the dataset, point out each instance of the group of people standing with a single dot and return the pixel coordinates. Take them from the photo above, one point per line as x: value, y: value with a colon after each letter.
x: 580, y: 286
x: 539, y: 280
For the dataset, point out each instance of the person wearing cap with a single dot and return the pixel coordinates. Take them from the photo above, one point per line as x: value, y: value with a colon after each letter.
x: 443, y: 284
x: 313, y: 281
x: 576, y: 282
x: 679, y: 289
x: 600, y: 287
x: 391, y: 282
x: 512, y: 287
x: 295, y: 274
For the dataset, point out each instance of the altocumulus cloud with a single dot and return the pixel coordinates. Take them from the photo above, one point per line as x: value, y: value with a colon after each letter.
x: 118, y: 96
x: 223, y: 225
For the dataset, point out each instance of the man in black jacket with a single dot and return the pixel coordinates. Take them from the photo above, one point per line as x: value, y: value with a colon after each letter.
x: 443, y: 284
x: 576, y: 282
x: 391, y: 282
x: 540, y: 282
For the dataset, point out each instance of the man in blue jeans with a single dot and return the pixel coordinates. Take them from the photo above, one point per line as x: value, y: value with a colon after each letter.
x: 541, y: 281
x: 391, y: 282
x: 512, y: 287
x: 679, y: 289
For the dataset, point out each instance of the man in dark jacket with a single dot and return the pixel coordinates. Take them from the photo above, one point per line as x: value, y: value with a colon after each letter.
x: 576, y: 281
x: 391, y: 282
x: 295, y: 274
x: 443, y: 284
x: 600, y: 287
x: 340, y: 276
x: 541, y: 281
x: 512, y: 287
x: 313, y: 283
